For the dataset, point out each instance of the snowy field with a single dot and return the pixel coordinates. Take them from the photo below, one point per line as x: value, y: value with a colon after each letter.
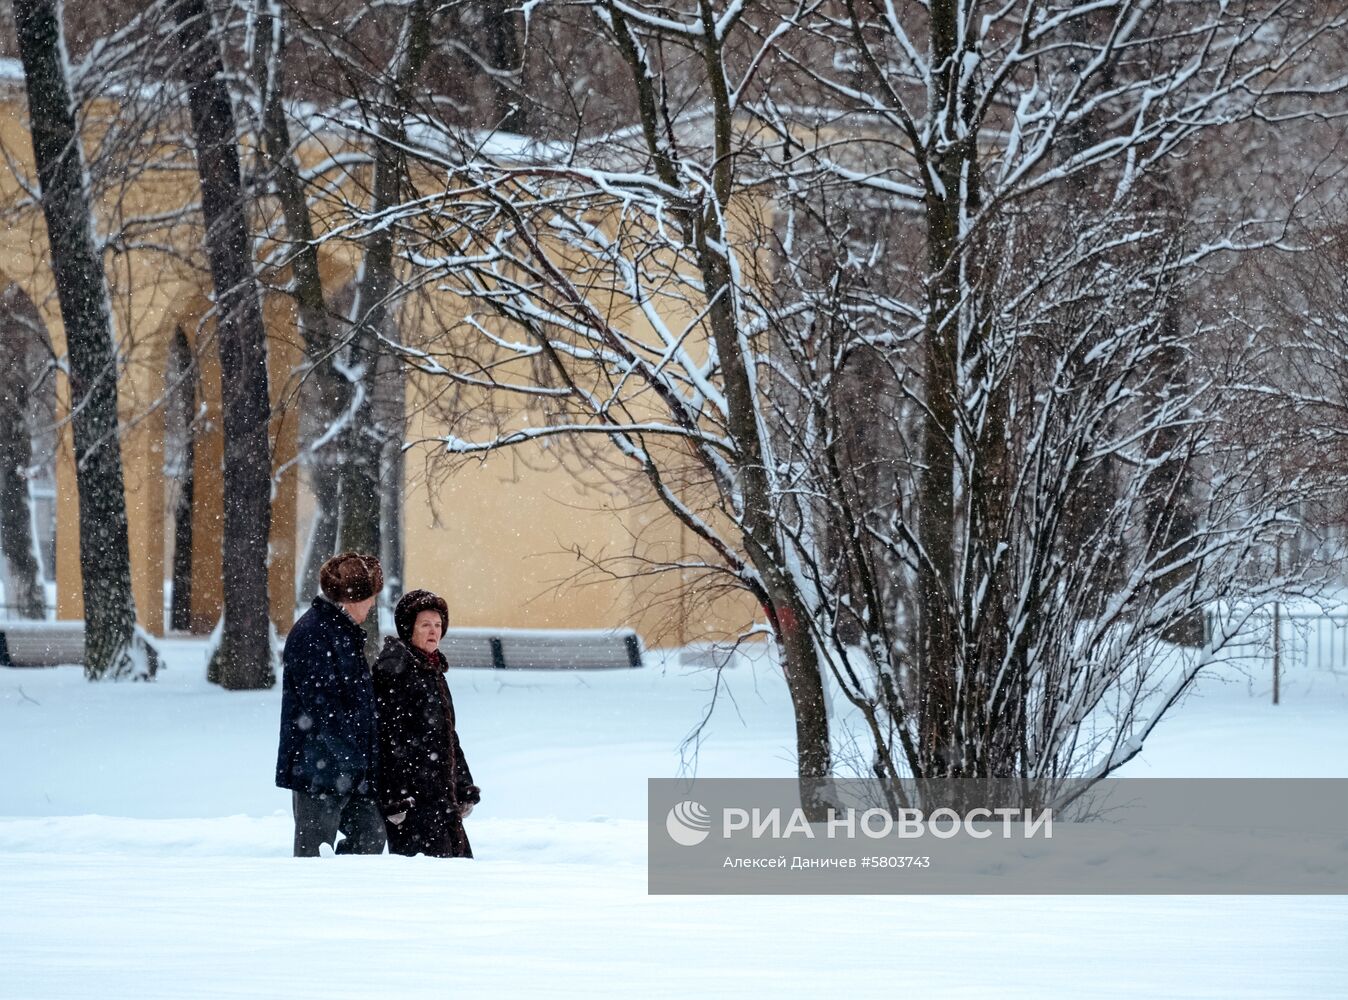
x: 144, y: 853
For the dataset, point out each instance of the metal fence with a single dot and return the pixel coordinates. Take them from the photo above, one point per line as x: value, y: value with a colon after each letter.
x: 1314, y: 641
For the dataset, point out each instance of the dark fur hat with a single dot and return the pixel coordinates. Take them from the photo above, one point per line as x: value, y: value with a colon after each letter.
x: 412, y: 604
x: 351, y: 577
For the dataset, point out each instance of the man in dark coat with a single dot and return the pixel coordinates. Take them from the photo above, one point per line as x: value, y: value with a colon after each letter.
x: 329, y: 750
x: 425, y: 783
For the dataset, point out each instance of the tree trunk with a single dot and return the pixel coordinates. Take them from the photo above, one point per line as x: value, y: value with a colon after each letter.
x: 937, y: 652
x: 23, y: 586
x: 504, y: 55
x: 326, y: 391
x: 23, y: 590
x: 325, y: 480
x: 391, y: 409
x: 1168, y: 499
x: 1085, y: 523
x: 105, y: 561
x: 787, y: 612
x: 366, y: 437
x: 180, y: 607
x: 1169, y: 493
x: 244, y: 658
x: 180, y: 600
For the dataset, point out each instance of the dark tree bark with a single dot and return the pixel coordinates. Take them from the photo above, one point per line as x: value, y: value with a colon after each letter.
x: 111, y: 649
x: 391, y: 414
x: 23, y: 593
x: 356, y: 485
x: 367, y: 435
x: 180, y: 606
x: 503, y: 51
x: 1170, y: 518
x: 1086, y: 523
x: 1171, y: 522
x: 326, y: 392
x: 937, y: 613
x: 243, y: 659
x: 783, y: 604
x: 23, y: 596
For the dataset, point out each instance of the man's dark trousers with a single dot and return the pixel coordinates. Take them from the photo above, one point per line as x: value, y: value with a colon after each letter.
x: 319, y: 816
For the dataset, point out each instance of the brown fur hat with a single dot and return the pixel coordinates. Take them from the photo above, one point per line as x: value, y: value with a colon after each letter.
x: 351, y: 577
x: 412, y: 604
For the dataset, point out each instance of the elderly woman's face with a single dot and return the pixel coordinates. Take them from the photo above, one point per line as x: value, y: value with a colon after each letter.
x: 426, y: 631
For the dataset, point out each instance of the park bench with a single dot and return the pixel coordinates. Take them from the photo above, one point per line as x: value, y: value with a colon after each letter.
x: 26, y: 643
x: 53, y: 643
x: 541, y: 649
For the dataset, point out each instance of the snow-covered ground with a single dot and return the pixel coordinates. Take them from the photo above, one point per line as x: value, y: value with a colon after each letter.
x: 144, y: 853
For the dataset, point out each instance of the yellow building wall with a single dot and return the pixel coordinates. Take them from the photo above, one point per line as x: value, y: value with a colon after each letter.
x: 510, y: 541
x: 151, y: 294
x: 511, y: 545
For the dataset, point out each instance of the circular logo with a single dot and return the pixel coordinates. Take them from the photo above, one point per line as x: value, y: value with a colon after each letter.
x: 688, y: 823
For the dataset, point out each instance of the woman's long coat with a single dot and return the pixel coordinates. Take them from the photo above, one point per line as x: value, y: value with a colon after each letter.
x: 422, y: 769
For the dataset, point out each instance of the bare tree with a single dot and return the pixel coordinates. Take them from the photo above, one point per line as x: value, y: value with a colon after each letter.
x: 243, y: 659
x: 327, y: 393
x: 112, y: 648
x: 961, y: 199
x: 991, y: 114
x: 672, y: 261
x: 355, y: 393
x: 367, y: 436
